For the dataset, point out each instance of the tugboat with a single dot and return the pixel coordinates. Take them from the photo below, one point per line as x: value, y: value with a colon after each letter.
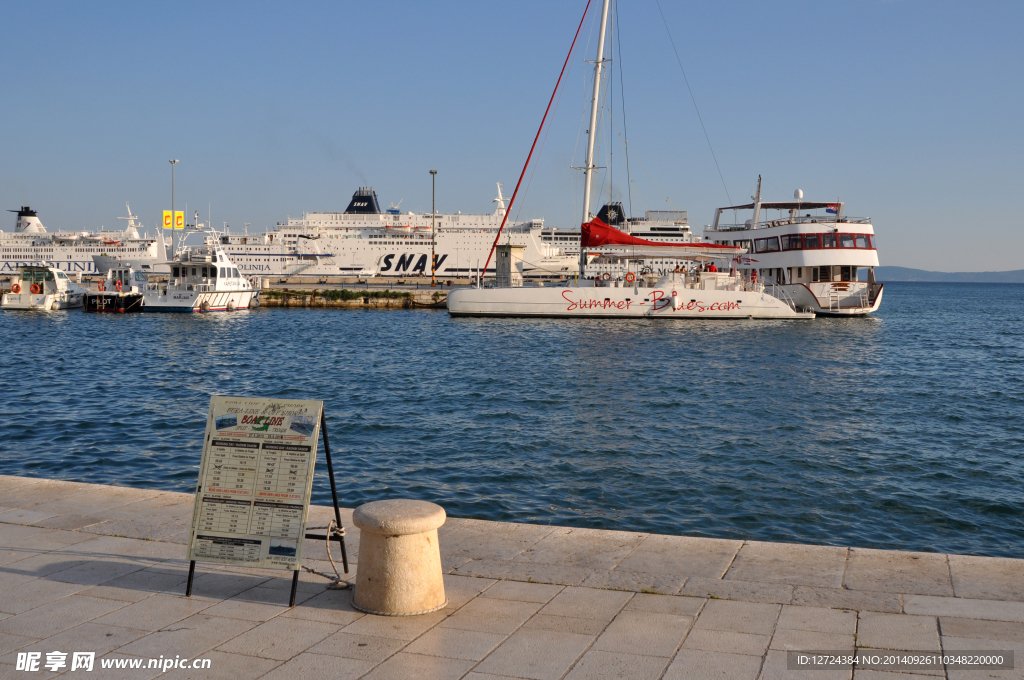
x: 120, y: 292
x: 42, y: 287
x: 203, y: 279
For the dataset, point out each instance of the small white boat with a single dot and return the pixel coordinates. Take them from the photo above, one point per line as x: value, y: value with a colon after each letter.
x: 203, y: 279
x: 119, y: 292
x: 42, y: 287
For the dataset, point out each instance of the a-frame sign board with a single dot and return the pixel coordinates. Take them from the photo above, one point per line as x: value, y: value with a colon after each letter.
x: 255, y: 479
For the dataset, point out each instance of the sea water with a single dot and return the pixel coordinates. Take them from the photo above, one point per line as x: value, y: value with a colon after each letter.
x: 903, y: 430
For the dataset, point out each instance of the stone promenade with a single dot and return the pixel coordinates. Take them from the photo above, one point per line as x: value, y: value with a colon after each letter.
x: 101, y: 569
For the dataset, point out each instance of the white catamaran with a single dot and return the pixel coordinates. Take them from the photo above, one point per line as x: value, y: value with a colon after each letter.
x: 705, y: 293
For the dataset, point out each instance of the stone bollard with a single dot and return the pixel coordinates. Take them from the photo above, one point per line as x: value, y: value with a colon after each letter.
x: 399, y: 568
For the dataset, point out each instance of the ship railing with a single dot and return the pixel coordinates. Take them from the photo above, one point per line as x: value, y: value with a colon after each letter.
x: 765, y: 224
x: 777, y: 291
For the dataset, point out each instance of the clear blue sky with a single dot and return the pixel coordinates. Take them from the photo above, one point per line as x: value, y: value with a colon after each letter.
x: 910, y: 112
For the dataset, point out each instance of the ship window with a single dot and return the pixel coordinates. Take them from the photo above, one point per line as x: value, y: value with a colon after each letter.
x: 811, y: 241
x: 234, y: 273
x: 846, y: 241
x: 792, y: 242
x: 174, y: 272
x: 222, y: 272
x: 205, y: 273
x: 845, y: 273
x: 766, y: 245
x: 862, y: 241
x: 800, y: 272
x: 828, y: 240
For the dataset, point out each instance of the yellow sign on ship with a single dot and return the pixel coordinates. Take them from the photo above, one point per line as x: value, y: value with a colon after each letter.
x: 178, y: 221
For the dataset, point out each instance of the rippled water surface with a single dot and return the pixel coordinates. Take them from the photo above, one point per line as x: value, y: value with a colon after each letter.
x: 899, y: 431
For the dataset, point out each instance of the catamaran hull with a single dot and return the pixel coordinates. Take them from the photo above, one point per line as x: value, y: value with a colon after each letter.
x: 200, y: 302
x: 629, y: 302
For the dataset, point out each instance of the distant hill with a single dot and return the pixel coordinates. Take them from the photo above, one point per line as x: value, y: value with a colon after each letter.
x: 906, y: 274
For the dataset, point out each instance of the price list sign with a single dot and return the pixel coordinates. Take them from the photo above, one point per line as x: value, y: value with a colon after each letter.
x: 254, y: 482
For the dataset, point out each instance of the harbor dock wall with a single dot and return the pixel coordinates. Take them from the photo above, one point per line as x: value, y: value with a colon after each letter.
x: 101, y: 568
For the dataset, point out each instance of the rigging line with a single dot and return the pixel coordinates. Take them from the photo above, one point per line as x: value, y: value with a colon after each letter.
x: 622, y: 95
x: 542, y: 120
x: 694, y: 100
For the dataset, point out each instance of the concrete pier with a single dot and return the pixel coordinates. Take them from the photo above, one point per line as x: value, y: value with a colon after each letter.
x: 101, y: 569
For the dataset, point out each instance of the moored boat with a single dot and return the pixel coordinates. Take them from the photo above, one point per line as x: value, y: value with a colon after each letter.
x: 203, y: 279
x: 42, y: 287
x: 119, y: 292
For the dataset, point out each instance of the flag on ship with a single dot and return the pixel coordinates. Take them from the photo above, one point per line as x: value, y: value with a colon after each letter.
x: 832, y: 209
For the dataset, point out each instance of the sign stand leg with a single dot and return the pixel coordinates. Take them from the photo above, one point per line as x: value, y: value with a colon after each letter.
x: 191, y: 574
x: 334, y: 488
x: 295, y: 585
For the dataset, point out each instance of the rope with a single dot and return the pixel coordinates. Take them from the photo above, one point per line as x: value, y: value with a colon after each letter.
x: 337, y: 582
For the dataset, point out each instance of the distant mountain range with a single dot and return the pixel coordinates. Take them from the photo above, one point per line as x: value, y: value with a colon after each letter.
x: 906, y: 274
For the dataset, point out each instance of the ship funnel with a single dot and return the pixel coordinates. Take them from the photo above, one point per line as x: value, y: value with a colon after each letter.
x: 28, y: 222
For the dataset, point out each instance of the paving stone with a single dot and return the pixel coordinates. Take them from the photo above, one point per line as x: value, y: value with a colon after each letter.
x: 461, y: 589
x: 988, y: 630
x: 789, y: 639
x: 953, y: 645
x: 798, y: 565
x: 664, y: 604
x: 588, y: 548
x: 898, y: 632
x: 776, y: 668
x: 52, y: 618
x: 249, y: 610
x: 330, y: 606
x: 739, y: 617
x: 225, y: 667
x: 536, y: 654
x: 777, y: 593
x: 818, y: 619
x: 566, y: 624
x: 189, y: 637
x: 320, y: 666
x: 599, y: 665
x: 9, y: 556
x: 396, y: 627
x: 37, y: 566
x: 993, y: 610
x: 587, y: 603
x: 24, y: 516
x: 727, y: 642
x: 635, y: 581
x: 681, y: 556
x: 887, y: 675
x: 156, y: 612
x: 693, y: 664
x: 522, y: 592
x: 524, y: 571
x: 472, y: 645
x: 138, y: 528
x: 124, y: 673
x: 88, y: 637
x: 279, y: 638
x: 70, y: 522
x: 220, y: 584
x: 891, y: 571
x: 644, y: 633
x: 482, y: 540
x: 492, y: 616
x: 10, y: 642
x: 987, y: 578
x: 403, y: 666
x: 839, y: 598
x: 365, y: 647
x: 488, y: 676
x: 95, y: 572
x: 35, y: 594
x: 137, y: 585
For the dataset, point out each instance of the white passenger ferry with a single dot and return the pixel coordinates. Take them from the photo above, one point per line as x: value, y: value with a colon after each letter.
x: 366, y: 241
x: 203, y: 279
x: 814, y: 259
x: 74, y: 251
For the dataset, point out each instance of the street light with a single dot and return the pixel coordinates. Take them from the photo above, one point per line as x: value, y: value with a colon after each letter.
x: 173, y: 249
x: 433, y: 228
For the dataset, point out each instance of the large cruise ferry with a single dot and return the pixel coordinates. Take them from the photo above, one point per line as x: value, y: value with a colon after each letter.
x: 367, y: 241
x: 812, y: 259
x: 76, y: 251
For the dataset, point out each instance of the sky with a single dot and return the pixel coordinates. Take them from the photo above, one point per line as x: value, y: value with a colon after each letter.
x: 908, y: 111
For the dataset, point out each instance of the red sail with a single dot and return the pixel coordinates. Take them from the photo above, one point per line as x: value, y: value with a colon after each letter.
x: 596, y: 233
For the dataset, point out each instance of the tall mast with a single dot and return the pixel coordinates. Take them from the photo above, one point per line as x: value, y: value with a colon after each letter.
x: 592, y: 132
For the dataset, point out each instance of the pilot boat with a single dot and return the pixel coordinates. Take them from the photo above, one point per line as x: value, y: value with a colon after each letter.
x: 203, y: 279
x: 119, y: 292
x: 42, y: 287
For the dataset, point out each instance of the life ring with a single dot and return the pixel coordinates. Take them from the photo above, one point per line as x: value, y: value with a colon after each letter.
x: 100, y: 287
x: 630, y: 277
x: 606, y: 277
x: 36, y: 289
x: 753, y: 276
x: 15, y: 288
x: 117, y: 285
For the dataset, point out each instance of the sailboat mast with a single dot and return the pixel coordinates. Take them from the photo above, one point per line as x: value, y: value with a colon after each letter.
x: 592, y: 132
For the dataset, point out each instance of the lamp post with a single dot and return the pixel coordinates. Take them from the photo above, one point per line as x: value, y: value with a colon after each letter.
x: 433, y: 228
x: 173, y: 249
